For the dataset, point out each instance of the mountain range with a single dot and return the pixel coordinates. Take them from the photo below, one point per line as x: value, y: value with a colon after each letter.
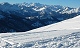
x: 21, y: 17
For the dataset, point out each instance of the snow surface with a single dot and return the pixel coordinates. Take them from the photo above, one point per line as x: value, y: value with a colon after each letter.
x: 49, y: 39
x: 39, y: 9
x: 65, y: 34
x: 69, y: 24
x: 29, y: 39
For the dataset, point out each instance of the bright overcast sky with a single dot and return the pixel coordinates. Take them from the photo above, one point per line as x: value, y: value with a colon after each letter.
x: 70, y: 3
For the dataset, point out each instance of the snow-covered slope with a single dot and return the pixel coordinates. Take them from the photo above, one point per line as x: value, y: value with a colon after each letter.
x: 73, y: 23
x: 49, y: 39
x: 65, y: 34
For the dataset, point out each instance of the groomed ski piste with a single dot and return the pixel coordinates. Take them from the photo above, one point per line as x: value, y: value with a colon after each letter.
x: 65, y: 34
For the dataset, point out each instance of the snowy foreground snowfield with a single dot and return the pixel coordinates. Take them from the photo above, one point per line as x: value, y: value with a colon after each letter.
x: 65, y: 34
x: 49, y: 39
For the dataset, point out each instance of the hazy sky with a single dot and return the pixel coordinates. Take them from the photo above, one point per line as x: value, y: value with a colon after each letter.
x: 70, y: 3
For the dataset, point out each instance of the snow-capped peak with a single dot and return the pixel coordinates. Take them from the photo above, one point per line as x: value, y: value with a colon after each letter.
x: 38, y: 7
x: 4, y: 3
